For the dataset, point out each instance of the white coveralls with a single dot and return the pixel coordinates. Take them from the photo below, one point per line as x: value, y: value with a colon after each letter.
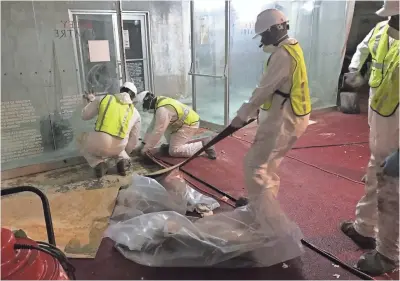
x: 97, y: 147
x: 176, y: 136
x: 381, y: 197
x: 279, y: 127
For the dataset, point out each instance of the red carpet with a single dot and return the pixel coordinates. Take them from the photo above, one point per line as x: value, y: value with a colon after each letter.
x: 319, y: 186
x: 349, y: 161
x: 332, y: 128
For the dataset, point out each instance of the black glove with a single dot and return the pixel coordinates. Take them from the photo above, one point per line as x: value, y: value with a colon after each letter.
x: 391, y: 165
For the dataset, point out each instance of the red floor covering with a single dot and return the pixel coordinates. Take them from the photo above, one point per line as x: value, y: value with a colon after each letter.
x: 349, y: 161
x: 314, y: 192
x: 332, y: 128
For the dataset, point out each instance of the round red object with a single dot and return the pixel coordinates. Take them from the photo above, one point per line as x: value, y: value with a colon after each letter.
x: 27, y: 264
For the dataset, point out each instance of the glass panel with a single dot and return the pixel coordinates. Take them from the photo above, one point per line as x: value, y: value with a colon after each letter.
x: 133, y: 45
x: 42, y: 75
x: 30, y: 85
x: 323, y: 20
x: 136, y: 57
x: 209, y: 17
x: 97, y: 53
x: 169, y: 24
x: 135, y: 53
x: 246, y: 58
x: 210, y: 99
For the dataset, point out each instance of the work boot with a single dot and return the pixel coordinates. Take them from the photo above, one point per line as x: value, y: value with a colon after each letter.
x: 211, y: 150
x: 164, y: 149
x: 122, y: 167
x: 363, y: 242
x: 376, y: 264
x: 101, y: 169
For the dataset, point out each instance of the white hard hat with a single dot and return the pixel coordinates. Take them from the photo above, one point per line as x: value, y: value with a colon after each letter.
x: 140, y: 97
x: 390, y: 8
x: 268, y: 18
x: 130, y: 86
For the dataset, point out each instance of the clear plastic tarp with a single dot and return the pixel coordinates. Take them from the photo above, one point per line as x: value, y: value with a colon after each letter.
x: 149, y: 227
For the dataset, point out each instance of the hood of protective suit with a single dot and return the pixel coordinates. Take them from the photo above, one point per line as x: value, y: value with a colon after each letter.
x: 123, y: 98
x: 393, y: 33
x: 270, y: 49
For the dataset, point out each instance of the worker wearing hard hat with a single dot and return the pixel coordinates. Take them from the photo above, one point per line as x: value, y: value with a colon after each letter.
x: 377, y: 213
x: 176, y: 121
x: 116, y: 132
x: 283, y: 101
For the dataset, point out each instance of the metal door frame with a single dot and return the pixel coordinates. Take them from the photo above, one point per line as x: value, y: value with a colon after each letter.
x: 71, y: 14
x: 225, y: 75
x: 146, y: 45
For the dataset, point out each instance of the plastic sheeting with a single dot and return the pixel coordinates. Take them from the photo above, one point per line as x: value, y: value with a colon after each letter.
x: 151, y: 229
x: 146, y: 195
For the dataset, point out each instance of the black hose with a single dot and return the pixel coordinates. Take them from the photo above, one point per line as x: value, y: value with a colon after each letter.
x: 45, y: 204
x: 210, y: 186
x: 331, y: 257
x: 52, y: 251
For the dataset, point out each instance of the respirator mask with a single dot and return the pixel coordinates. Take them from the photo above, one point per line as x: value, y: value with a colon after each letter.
x: 149, y: 102
x: 271, y: 38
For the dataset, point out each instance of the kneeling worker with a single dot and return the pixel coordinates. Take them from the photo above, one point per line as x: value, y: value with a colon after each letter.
x: 116, y: 132
x: 177, y: 121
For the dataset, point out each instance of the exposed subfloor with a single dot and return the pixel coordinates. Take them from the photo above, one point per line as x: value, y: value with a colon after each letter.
x: 320, y: 186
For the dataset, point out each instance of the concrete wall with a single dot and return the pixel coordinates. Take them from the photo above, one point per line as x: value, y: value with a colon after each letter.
x: 170, y: 27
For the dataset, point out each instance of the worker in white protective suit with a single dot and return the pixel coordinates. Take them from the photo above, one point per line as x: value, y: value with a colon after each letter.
x: 377, y: 213
x: 283, y: 101
x: 363, y: 54
x: 116, y: 132
x: 176, y: 121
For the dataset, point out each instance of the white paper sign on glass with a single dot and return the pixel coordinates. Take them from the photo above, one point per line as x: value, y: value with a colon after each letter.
x: 126, y: 39
x: 99, y: 50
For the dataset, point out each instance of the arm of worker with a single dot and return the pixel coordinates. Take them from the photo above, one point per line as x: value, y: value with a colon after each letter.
x: 134, y: 134
x: 150, y: 128
x: 91, y: 109
x: 278, y: 73
x: 162, y: 120
x: 361, y: 54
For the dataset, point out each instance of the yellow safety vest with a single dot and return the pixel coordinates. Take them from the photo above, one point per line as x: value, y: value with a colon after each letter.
x: 386, y: 98
x: 186, y: 115
x: 378, y: 46
x: 114, y: 117
x: 299, y: 94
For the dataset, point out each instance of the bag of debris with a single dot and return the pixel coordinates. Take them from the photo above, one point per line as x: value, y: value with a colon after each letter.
x: 176, y: 185
x: 256, y: 235
x: 146, y: 195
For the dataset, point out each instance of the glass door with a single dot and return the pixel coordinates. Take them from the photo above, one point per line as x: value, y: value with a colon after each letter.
x: 135, y: 44
x: 98, y: 57
x: 208, y: 66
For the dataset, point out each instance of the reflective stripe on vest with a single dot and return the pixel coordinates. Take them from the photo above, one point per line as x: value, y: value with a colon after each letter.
x: 386, y: 98
x: 186, y: 115
x: 114, y: 117
x: 378, y: 46
x: 299, y: 94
